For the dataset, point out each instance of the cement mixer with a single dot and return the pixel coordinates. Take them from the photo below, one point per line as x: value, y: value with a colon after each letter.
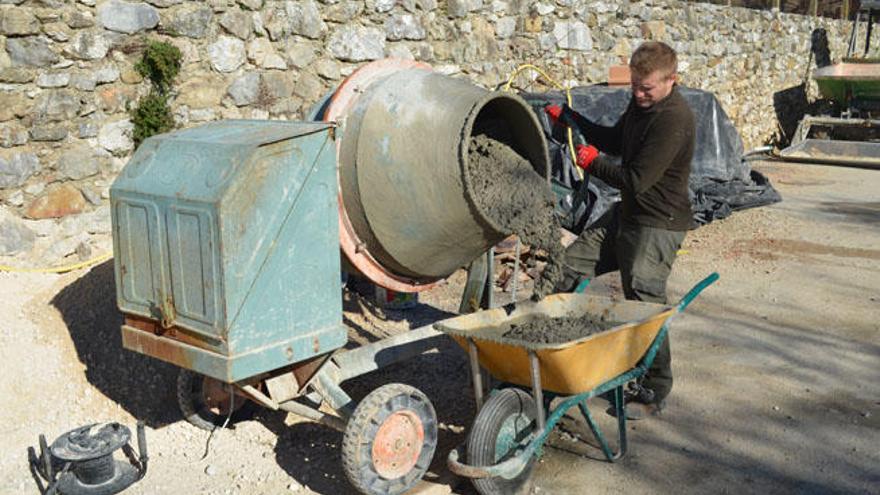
x: 227, y: 252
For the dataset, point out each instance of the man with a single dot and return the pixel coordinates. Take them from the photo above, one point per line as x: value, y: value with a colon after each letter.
x: 641, y: 235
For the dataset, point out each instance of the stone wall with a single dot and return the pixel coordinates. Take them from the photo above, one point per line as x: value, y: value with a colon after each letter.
x: 67, y: 78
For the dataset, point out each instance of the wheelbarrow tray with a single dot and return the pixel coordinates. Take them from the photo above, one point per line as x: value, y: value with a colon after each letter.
x: 567, y: 368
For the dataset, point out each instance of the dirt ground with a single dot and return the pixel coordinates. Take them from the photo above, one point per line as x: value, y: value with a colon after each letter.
x: 777, y: 370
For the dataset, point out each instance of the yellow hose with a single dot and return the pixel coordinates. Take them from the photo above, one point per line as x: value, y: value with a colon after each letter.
x: 59, y: 269
x: 567, y: 91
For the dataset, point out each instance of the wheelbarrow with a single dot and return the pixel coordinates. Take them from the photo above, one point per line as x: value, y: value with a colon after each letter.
x: 511, y: 427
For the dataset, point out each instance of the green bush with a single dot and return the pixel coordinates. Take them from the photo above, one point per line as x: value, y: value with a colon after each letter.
x: 160, y: 64
x: 152, y: 116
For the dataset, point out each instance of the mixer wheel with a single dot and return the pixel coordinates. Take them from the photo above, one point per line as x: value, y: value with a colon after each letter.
x: 204, y: 401
x: 503, y: 422
x: 389, y: 441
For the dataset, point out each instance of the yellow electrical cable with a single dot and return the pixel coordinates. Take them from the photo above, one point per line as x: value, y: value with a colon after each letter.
x: 552, y: 81
x: 59, y: 269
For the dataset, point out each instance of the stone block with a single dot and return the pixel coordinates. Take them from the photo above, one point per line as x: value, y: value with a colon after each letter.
x: 79, y: 163
x: 245, y: 89
x: 13, y: 105
x: 56, y: 202
x: 344, y: 11
x: 201, y: 90
x: 654, y: 30
x: 58, y: 31
x: 309, y: 87
x: 404, y: 27
x: 226, y: 54
x: 32, y: 51
x: 18, y: 22
x: 53, y: 79
x: 56, y: 105
x: 302, y: 55
x: 115, y: 137
x: 115, y: 97
x: 354, y: 43
x: 237, y: 23
x: 12, y: 134
x: 262, y: 54
x: 15, y: 237
x: 17, y: 168
x: 573, y: 35
x: 48, y: 133
x: 14, y: 75
x: 305, y: 19
x: 275, y: 86
x: 191, y: 21
x: 127, y: 17
x: 79, y: 19
x: 87, y: 45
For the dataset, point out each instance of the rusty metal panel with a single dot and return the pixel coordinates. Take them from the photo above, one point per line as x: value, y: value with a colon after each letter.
x: 138, y: 253
x: 195, y: 266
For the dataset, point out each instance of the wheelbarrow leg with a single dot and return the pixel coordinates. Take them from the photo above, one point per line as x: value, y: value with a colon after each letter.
x: 621, y: 426
x: 537, y: 391
x: 476, y: 376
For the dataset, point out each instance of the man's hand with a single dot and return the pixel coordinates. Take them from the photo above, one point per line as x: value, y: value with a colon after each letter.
x: 586, y: 154
x: 554, y: 112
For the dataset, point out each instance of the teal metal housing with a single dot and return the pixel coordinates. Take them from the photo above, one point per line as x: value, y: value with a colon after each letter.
x: 226, y: 247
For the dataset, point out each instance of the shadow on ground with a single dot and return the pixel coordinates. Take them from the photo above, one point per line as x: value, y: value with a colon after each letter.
x: 867, y: 212
x: 141, y: 385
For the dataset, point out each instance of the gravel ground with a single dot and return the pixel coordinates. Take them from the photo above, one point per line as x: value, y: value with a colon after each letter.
x: 777, y: 370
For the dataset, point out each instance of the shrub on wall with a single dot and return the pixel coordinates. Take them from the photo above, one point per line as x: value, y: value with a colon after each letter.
x: 160, y: 64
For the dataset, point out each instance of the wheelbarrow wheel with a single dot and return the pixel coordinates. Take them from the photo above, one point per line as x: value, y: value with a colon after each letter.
x: 503, y: 422
x: 205, y: 402
x: 389, y: 441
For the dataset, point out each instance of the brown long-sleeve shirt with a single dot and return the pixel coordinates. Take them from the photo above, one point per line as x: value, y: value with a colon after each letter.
x: 656, y: 146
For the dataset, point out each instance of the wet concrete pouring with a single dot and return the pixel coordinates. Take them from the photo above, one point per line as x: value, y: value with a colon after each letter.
x: 547, y: 330
x: 507, y: 190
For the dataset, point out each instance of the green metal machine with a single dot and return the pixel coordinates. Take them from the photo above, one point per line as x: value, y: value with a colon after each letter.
x: 206, y: 222
x: 850, y: 135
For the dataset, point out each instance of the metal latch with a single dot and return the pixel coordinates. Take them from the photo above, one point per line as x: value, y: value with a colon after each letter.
x: 166, y: 311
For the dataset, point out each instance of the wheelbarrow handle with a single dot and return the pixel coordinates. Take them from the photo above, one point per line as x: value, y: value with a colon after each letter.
x: 695, y: 291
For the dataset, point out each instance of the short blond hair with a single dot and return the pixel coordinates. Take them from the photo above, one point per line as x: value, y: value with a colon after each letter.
x: 653, y: 56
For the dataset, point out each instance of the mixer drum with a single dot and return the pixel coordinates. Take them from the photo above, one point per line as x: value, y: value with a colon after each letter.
x: 407, y: 217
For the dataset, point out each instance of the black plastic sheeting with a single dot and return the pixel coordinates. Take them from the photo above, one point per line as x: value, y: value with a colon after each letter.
x: 721, y: 180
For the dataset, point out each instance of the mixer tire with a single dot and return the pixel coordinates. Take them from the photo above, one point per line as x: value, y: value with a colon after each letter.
x: 192, y: 403
x: 504, y: 420
x: 389, y: 441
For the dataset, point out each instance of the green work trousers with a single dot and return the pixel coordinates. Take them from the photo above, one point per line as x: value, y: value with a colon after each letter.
x: 644, y: 256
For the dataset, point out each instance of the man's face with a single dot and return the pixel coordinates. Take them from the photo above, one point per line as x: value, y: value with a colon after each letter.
x: 652, y: 88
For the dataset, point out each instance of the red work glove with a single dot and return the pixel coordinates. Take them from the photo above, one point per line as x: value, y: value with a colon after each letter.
x: 585, y: 155
x: 554, y: 112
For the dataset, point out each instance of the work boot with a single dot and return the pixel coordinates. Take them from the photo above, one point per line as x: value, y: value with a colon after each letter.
x: 639, y: 402
x: 639, y: 410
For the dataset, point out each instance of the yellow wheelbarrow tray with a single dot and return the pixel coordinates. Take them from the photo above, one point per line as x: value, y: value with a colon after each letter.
x: 580, y: 369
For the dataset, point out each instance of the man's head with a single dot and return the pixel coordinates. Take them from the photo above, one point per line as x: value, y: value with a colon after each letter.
x: 653, y: 70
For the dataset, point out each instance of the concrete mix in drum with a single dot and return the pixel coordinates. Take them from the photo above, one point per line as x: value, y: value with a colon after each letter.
x: 507, y: 190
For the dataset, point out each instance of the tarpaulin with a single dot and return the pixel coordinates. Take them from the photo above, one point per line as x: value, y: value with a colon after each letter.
x: 721, y: 180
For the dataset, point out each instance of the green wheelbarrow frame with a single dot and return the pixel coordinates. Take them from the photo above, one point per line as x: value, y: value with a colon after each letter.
x: 533, y: 443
